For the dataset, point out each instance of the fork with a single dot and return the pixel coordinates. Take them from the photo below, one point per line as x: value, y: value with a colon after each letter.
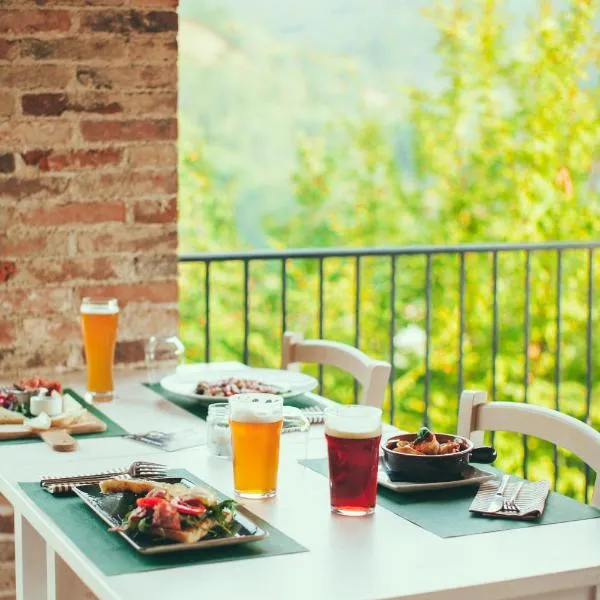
x: 137, y: 469
x: 510, y: 504
x: 314, y: 414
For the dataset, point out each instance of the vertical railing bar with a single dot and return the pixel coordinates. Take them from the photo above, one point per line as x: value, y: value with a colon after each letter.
x: 207, y: 312
x: 356, y: 315
x: 557, y: 355
x: 427, y: 339
x: 246, y: 308
x: 589, y: 363
x: 392, y: 331
x: 494, y: 332
x: 461, y: 326
x: 321, y: 311
x: 283, y: 296
x: 526, y: 351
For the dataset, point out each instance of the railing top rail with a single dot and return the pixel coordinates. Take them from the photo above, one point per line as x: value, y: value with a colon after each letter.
x: 383, y: 251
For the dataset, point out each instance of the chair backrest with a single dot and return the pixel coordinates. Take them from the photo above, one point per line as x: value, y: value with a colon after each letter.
x: 372, y: 374
x: 477, y: 415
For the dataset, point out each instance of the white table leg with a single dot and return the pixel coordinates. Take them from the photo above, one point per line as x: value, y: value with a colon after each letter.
x: 30, y: 561
x: 63, y: 583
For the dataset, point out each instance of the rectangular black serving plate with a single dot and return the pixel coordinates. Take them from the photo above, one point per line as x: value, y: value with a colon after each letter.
x: 111, y: 508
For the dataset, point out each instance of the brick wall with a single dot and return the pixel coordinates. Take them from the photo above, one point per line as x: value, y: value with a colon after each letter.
x: 88, y: 181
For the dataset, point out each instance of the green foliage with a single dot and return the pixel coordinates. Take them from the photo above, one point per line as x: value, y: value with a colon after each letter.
x: 503, y: 152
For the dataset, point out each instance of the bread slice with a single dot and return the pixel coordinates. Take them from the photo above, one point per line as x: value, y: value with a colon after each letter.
x: 137, y: 486
x: 143, y: 486
x: 10, y: 417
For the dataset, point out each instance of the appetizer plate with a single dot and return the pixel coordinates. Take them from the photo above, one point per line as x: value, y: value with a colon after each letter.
x: 292, y: 383
x: 111, y: 508
x: 471, y: 476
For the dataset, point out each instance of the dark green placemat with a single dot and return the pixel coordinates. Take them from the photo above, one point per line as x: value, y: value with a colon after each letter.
x: 200, y: 410
x: 112, y: 429
x: 446, y: 512
x: 114, y: 556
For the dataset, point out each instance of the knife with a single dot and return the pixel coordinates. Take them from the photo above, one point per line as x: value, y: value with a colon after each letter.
x: 498, y: 500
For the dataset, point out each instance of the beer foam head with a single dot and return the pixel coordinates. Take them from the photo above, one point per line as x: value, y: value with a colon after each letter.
x: 256, y: 408
x: 99, y: 306
x: 353, y: 422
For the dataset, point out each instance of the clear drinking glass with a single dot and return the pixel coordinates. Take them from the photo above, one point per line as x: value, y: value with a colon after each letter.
x: 256, y: 422
x: 353, y: 434
x: 218, y: 433
x: 99, y: 325
x: 163, y: 356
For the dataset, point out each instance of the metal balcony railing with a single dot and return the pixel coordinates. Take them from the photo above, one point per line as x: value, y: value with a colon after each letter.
x: 554, y: 255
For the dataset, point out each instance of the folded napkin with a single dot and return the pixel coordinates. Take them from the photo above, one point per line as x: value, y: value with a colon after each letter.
x: 66, y: 487
x: 531, y: 499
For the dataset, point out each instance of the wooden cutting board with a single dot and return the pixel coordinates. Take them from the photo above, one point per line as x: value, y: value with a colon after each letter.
x: 58, y: 438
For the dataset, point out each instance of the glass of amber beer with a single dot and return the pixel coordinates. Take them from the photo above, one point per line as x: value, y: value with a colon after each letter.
x: 353, y: 434
x: 99, y: 322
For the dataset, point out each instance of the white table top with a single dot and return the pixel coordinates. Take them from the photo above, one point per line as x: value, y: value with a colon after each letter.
x: 383, y: 556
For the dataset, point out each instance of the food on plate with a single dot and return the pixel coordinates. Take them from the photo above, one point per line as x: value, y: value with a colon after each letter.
x: 172, y: 511
x: 10, y: 417
x: 32, y: 384
x: 427, y: 443
x: 234, y: 385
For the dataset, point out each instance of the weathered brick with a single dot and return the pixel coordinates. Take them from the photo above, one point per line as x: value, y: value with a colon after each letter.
x: 155, y: 211
x: 7, y: 579
x: 27, y: 188
x: 45, y: 270
x: 34, y: 21
x: 152, y: 156
x: 31, y: 77
x: 130, y: 351
x: 41, y: 187
x: 126, y: 78
x: 7, y: 104
x: 30, y: 243
x: 47, y: 301
x: 124, y: 183
x: 7, y: 548
x: 151, y: 267
x: 47, y: 160
x: 154, y: 3
x: 72, y: 48
x: 16, y: 134
x: 7, y: 332
x: 8, y: 269
x: 155, y: 102
x: 129, y: 21
x: 131, y: 130
x: 141, y: 238
x: 59, y: 213
x: 52, y: 104
x: 7, y: 163
x: 9, y: 49
x: 141, y: 321
x: 152, y: 48
x: 41, y: 330
x: 159, y: 292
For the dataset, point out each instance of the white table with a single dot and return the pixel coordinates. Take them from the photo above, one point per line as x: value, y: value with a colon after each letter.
x: 382, y: 556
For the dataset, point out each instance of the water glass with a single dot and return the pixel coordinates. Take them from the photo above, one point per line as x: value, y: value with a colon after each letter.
x: 163, y: 356
x: 218, y: 433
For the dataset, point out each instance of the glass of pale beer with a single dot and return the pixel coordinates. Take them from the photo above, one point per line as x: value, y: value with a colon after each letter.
x: 99, y: 324
x: 256, y: 422
x: 353, y: 434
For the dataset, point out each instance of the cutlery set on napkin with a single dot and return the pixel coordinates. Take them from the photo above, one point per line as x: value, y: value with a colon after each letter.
x: 516, y: 499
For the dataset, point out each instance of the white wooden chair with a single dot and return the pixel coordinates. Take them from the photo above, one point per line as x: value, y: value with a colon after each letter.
x: 372, y: 374
x: 477, y: 415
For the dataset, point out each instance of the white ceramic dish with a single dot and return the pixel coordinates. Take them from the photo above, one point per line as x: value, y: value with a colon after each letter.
x: 184, y: 382
x: 472, y: 476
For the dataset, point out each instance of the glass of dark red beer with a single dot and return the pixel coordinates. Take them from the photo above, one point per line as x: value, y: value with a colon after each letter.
x: 353, y: 434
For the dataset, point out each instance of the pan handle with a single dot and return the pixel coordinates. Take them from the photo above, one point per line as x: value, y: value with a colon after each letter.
x: 483, y: 454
